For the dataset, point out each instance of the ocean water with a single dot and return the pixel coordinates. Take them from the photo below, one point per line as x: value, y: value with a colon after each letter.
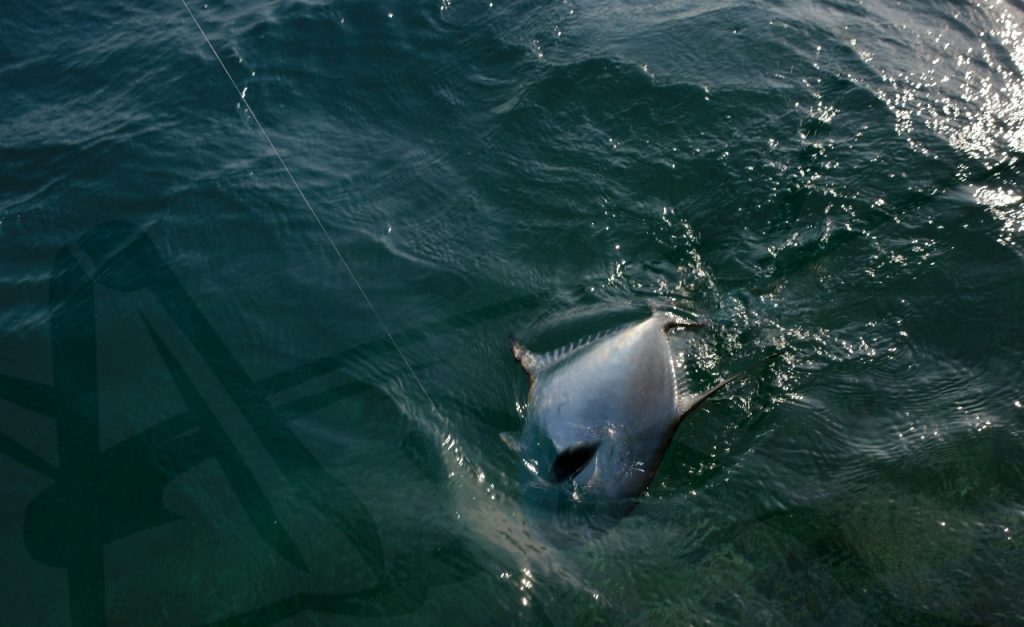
x: 202, y: 419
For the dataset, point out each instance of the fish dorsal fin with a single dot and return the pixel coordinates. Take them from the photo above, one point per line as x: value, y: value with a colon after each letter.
x: 534, y: 363
x: 512, y: 441
x: 528, y: 360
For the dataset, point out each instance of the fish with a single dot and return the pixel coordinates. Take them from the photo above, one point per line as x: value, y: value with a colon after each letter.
x: 601, y: 414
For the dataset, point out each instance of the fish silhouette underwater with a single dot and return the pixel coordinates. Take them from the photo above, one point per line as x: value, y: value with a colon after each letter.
x: 600, y: 418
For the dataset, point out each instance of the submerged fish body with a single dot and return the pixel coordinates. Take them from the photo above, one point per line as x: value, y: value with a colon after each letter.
x: 600, y: 418
x: 619, y: 394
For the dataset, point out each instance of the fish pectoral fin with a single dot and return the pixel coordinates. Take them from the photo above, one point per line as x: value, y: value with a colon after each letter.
x: 513, y: 441
x: 683, y: 324
x: 570, y: 461
x: 689, y: 402
x: 672, y: 321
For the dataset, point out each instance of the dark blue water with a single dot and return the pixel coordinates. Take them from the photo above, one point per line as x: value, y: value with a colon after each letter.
x: 203, y: 421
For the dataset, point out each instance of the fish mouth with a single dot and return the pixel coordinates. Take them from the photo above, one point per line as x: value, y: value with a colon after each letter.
x: 572, y: 461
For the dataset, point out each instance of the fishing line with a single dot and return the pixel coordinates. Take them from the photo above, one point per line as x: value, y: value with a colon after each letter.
x: 316, y: 216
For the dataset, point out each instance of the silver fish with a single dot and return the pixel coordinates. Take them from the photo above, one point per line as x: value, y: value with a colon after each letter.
x: 601, y: 416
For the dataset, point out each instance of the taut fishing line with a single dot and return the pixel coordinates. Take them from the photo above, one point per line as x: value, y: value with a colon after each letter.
x: 316, y: 216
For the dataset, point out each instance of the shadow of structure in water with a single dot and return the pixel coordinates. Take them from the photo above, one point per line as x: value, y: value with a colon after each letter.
x: 87, y: 507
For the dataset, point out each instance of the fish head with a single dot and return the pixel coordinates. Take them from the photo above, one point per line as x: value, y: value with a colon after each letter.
x: 575, y: 490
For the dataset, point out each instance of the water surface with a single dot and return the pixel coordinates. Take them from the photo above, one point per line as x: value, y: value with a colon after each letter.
x: 202, y: 420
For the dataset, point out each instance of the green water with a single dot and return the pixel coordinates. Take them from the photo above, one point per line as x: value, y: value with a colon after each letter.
x: 202, y: 421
